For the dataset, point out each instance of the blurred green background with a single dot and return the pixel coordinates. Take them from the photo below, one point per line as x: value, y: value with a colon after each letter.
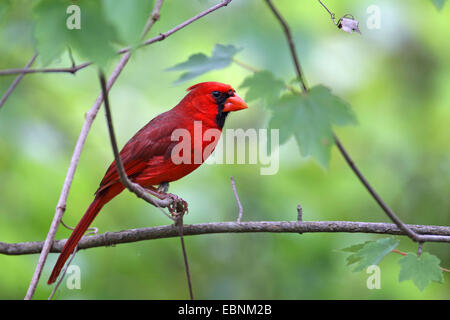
x: 396, y: 78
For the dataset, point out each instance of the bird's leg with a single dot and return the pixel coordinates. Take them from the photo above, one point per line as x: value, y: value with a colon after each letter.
x: 156, y: 192
x: 163, y: 187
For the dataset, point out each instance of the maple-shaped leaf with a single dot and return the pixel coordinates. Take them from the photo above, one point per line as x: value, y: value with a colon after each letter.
x: 421, y: 270
x: 310, y: 119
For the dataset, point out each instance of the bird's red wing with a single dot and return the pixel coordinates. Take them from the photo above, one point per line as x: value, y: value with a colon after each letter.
x: 153, y: 141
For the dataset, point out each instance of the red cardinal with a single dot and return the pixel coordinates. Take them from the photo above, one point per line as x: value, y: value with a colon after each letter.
x: 147, y: 157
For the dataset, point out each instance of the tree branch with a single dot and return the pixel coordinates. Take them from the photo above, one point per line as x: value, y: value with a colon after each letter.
x: 170, y: 231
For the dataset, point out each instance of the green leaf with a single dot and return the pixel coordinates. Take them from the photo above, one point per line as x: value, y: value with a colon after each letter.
x: 129, y: 18
x: 263, y: 85
x: 421, y: 270
x: 370, y: 252
x: 439, y: 4
x: 199, y: 63
x: 93, y: 41
x: 310, y: 119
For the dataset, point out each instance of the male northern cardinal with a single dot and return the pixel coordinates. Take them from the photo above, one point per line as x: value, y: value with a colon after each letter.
x: 147, y: 156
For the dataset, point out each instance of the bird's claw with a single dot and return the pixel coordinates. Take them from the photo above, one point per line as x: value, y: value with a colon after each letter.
x: 178, y: 206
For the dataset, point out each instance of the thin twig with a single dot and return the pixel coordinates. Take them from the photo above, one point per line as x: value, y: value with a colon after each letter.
x: 333, y: 17
x: 290, y: 41
x: 71, y: 57
x: 419, y: 249
x: 299, y: 213
x: 63, y: 273
x: 180, y: 226
x: 17, y: 80
x: 154, y: 16
x: 168, y: 231
x: 402, y: 226
x: 72, y: 69
x: 238, y: 201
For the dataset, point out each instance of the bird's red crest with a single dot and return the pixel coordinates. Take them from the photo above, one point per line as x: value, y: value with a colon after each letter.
x: 210, y: 85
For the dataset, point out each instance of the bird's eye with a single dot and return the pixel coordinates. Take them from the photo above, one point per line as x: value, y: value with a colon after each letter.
x: 216, y: 94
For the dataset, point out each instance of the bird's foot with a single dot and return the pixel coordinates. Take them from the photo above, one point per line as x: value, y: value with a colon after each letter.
x: 178, y: 206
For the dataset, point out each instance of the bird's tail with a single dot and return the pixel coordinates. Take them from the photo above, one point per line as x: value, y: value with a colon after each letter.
x: 100, y: 200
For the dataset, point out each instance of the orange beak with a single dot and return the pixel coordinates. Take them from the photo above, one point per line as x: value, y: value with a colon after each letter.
x: 234, y: 103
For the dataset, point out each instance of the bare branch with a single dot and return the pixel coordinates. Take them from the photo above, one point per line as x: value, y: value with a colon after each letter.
x: 17, y: 80
x: 290, y: 41
x: 170, y: 231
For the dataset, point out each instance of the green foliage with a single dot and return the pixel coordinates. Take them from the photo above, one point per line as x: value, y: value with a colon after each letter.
x: 93, y: 41
x: 200, y: 63
x: 439, y: 4
x: 421, y: 270
x: 129, y: 18
x: 310, y: 118
x: 263, y: 85
x: 370, y: 252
